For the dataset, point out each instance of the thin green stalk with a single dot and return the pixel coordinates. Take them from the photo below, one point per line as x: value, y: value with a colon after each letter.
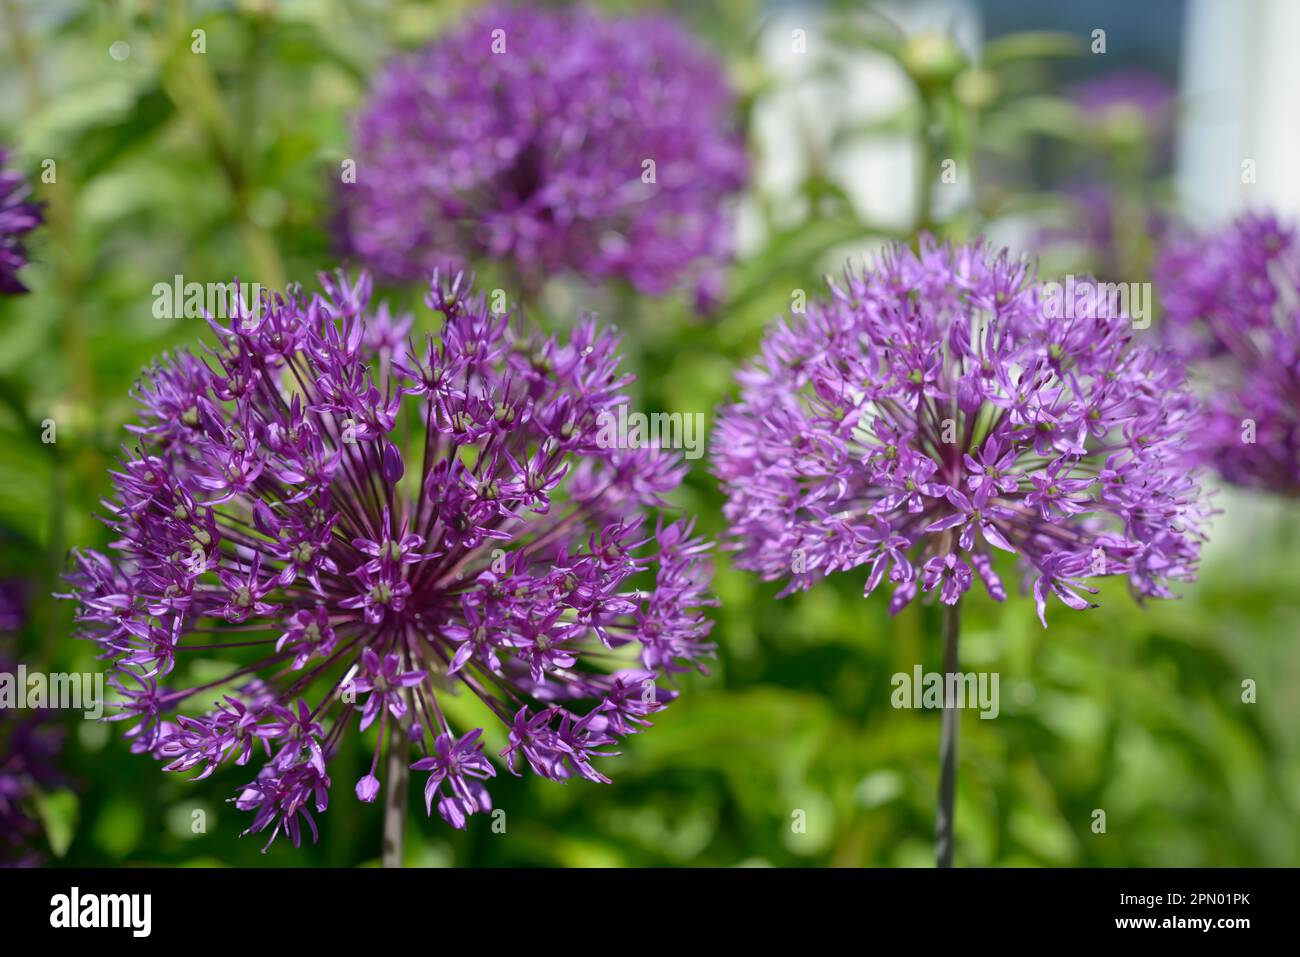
x: 947, y: 740
x: 925, y: 172
x: 396, y: 787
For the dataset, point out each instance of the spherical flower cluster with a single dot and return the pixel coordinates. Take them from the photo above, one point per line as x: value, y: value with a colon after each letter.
x: 1231, y: 308
x: 1114, y: 227
x: 941, y: 405
x: 13, y: 604
x: 361, y: 536
x: 17, y: 218
x: 1127, y: 103
x: 30, y: 742
x: 554, y: 140
x: 1098, y: 221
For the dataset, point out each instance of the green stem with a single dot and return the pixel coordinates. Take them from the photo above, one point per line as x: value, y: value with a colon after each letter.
x: 947, y: 741
x: 925, y: 174
x: 23, y: 53
x: 396, y: 788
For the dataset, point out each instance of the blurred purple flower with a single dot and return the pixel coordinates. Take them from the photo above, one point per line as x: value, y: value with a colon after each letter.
x: 1113, y: 216
x: 532, y: 136
x: 931, y: 411
x: 1231, y: 308
x: 1095, y: 216
x: 359, y: 537
x: 1139, y: 99
x: 17, y: 218
x: 13, y: 604
x: 30, y: 744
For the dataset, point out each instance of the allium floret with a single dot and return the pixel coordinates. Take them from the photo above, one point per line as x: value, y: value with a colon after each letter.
x: 18, y: 217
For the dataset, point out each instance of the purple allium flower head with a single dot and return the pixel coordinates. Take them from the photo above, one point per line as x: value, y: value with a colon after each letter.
x: 1114, y: 217
x: 17, y: 218
x: 361, y: 538
x: 525, y: 135
x: 1231, y: 308
x: 30, y: 743
x: 1139, y: 99
x: 931, y: 412
x: 13, y: 604
x: 1096, y: 218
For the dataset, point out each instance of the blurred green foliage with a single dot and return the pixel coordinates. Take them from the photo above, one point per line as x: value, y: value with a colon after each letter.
x: 788, y: 752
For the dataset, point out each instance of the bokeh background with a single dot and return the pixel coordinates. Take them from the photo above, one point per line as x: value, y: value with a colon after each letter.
x: 224, y: 164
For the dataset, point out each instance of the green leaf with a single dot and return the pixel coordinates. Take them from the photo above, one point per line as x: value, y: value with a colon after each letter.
x: 1030, y: 45
x: 59, y: 812
x: 118, y: 827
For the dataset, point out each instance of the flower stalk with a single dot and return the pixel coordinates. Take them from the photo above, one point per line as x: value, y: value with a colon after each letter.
x: 395, y: 797
x: 950, y: 722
